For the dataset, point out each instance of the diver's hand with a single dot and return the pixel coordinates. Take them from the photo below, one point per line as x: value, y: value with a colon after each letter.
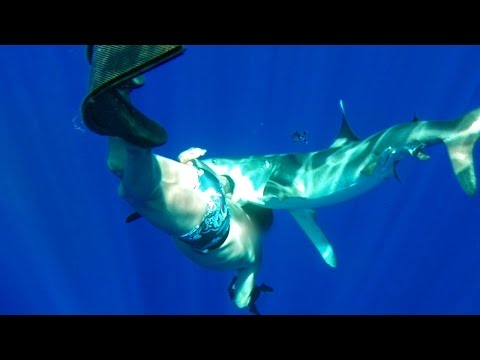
x: 193, y: 153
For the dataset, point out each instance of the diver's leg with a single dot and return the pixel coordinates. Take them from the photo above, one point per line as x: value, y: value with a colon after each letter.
x: 141, y: 173
x: 117, y: 153
x: 117, y: 156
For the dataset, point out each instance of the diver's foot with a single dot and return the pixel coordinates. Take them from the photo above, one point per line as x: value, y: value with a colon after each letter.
x: 111, y: 113
x: 116, y: 71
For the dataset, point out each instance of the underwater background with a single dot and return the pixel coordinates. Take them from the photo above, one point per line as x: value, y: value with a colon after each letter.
x: 403, y: 248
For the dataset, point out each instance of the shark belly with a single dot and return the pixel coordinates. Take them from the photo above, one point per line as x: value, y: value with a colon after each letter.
x: 338, y: 195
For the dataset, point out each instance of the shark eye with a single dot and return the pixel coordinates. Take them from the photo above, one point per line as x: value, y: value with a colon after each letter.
x: 214, y: 161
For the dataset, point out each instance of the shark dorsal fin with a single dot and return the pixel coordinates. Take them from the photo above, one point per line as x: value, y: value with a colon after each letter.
x: 346, y: 134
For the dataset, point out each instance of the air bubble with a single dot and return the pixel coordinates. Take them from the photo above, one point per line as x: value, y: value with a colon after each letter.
x: 78, y: 124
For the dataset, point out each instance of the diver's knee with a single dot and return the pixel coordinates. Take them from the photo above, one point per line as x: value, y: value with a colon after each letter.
x: 115, y: 166
x: 138, y: 193
x: 116, y: 155
x: 120, y: 152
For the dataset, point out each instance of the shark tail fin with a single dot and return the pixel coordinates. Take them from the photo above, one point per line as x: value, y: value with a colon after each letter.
x: 460, y: 146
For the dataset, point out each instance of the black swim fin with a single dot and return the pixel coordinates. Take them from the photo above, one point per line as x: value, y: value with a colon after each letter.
x: 115, y: 71
x: 111, y: 113
x: 257, y: 290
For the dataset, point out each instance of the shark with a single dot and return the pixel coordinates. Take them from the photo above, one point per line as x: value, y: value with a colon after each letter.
x: 302, y: 182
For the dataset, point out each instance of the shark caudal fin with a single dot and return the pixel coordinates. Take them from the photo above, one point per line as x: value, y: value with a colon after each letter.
x: 460, y: 143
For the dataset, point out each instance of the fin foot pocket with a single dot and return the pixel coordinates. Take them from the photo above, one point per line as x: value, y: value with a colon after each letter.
x: 111, y: 113
x: 115, y: 71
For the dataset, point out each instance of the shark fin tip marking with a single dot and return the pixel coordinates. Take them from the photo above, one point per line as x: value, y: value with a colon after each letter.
x: 332, y: 262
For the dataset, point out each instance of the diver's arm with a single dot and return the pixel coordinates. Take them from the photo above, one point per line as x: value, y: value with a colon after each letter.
x: 191, y: 157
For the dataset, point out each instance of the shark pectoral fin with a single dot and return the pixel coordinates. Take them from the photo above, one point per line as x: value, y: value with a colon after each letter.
x: 461, y: 157
x: 305, y: 219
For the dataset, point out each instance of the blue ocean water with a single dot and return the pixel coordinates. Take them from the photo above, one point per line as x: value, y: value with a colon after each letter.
x: 403, y: 248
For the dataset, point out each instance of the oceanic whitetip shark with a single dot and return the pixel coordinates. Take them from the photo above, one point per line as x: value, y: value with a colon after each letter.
x: 301, y: 182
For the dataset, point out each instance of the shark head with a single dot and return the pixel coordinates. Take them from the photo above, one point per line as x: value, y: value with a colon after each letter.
x: 249, y: 175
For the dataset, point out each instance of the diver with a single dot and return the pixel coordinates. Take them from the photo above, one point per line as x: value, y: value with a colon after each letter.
x: 185, y: 199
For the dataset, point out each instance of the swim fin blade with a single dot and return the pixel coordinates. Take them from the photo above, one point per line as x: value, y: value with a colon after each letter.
x: 115, y: 71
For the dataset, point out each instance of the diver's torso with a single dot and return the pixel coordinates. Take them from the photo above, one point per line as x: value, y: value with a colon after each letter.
x: 241, y: 248
x: 177, y: 206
